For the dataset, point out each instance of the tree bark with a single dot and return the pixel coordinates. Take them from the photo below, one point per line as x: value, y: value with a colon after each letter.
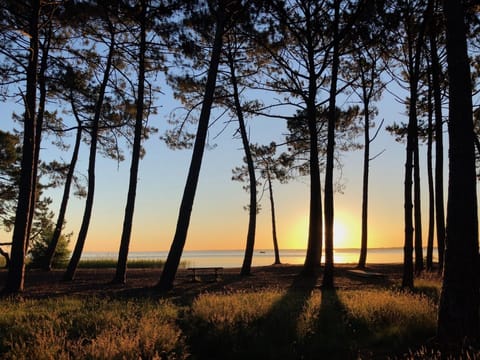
x: 39, y: 124
x: 274, y: 225
x: 57, y: 232
x: 366, y: 162
x: 439, y: 199
x: 417, y: 206
x: 412, y: 166
x: 328, y: 280
x: 252, y: 218
x: 176, y: 249
x: 315, y: 227
x: 121, y: 270
x: 28, y: 181
x: 82, y: 235
x: 431, y: 190
x: 458, y: 318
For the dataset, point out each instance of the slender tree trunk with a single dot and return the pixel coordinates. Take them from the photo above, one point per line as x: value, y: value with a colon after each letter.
x: 315, y: 227
x: 274, y: 226
x: 412, y: 160
x: 417, y: 208
x: 57, y: 232
x: 176, y: 249
x: 328, y: 281
x: 39, y: 126
x: 431, y: 190
x: 439, y: 200
x: 366, y: 160
x: 252, y: 218
x: 28, y: 181
x: 458, y: 318
x: 121, y: 271
x: 52, y: 246
x: 407, y: 280
x: 82, y: 235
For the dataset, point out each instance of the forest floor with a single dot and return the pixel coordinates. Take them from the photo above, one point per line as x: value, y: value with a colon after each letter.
x: 141, y: 282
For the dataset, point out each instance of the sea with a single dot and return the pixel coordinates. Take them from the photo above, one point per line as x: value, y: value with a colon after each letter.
x: 234, y: 258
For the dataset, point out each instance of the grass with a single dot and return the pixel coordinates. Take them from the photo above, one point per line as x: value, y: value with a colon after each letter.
x: 92, y: 328
x: 292, y: 325
x: 266, y: 324
x: 297, y: 322
x: 112, y: 263
x: 108, y: 263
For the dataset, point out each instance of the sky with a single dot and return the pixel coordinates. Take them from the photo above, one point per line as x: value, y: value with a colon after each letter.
x: 219, y: 221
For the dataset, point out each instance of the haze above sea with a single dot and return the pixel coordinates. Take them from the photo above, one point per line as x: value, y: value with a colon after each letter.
x: 262, y: 257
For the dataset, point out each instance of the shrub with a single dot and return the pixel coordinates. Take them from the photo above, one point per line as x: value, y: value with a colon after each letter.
x: 39, y: 246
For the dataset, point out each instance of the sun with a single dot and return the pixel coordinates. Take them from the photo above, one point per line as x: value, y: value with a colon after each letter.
x: 344, y: 232
x: 341, y: 234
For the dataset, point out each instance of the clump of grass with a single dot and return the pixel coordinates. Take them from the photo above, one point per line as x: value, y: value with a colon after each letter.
x: 227, y: 310
x: 244, y: 324
x: 390, y: 319
x: 429, y: 285
x: 431, y: 353
x: 90, y: 328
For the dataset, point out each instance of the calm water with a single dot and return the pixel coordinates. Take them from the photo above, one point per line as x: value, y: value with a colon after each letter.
x: 234, y: 258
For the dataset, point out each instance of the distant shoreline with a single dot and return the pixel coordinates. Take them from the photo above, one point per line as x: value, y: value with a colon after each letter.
x: 261, y: 257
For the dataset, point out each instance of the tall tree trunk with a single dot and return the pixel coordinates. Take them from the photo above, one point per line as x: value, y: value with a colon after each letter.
x: 431, y: 190
x: 176, y: 249
x: 439, y: 200
x: 412, y: 159
x: 274, y: 226
x: 366, y: 160
x: 315, y: 226
x: 332, y: 114
x: 458, y: 318
x: 121, y: 271
x: 82, y: 235
x: 252, y: 218
x: 52, y: 246
x: 28, y: 181
x: 417, y: 208
x: 407, y: 279
x: 42, y: 87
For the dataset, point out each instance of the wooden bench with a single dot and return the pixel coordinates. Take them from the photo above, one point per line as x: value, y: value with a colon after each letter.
x: 216, y: 271
x: 366, y: 274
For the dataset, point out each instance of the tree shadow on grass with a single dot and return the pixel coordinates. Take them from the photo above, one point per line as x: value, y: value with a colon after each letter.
x: 272, y: 335
x: 333, y: 336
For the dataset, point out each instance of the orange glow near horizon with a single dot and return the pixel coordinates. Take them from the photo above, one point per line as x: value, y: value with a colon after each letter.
x: 345, y: 232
